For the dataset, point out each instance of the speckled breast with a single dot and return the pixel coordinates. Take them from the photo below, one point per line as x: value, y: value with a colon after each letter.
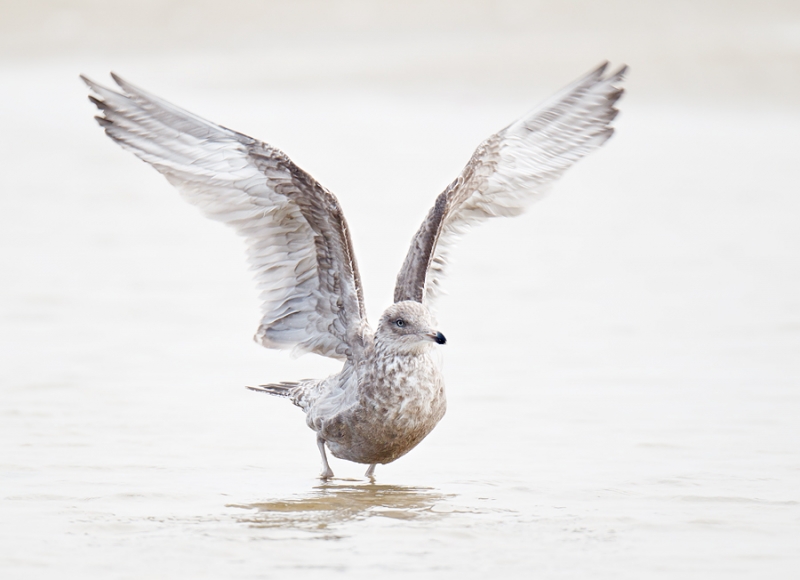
x: 392, y: 417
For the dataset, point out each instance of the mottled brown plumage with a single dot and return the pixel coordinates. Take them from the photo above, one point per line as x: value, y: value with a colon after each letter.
x: 390, y: 392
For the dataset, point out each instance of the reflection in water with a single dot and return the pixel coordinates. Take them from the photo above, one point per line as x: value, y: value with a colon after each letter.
x: 330, y: 504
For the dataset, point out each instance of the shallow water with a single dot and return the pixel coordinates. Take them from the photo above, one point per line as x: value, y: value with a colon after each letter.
x: 621, y: 365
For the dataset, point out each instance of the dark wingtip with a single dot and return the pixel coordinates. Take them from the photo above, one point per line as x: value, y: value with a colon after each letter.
x: 600, y: 69
x: 615, y: 95
x: 623, y: 70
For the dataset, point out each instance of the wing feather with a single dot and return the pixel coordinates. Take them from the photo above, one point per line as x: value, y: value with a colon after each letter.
x: 508, y: 171
x: 298, y: 241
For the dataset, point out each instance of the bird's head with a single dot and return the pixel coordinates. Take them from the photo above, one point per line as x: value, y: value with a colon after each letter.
x: 408, y: 326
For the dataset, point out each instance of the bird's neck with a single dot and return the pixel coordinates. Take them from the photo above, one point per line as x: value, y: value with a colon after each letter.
x: 390, y: 364
x: 390, y: 349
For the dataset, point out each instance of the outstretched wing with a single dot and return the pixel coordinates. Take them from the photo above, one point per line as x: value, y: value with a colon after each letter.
x: 297, y: 237
x: 510, y: 170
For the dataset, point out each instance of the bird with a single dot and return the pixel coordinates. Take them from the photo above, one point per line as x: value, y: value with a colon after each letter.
x: 390, y: 392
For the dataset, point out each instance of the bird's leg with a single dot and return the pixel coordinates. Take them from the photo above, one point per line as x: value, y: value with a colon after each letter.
x: 327, y: 472
x: 370, y: 472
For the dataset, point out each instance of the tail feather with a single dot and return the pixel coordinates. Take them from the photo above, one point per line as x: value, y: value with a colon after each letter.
x: 285, y: 389
x: 301, y: 393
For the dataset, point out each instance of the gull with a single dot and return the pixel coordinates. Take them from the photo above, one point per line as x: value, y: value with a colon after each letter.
x: 390, y: 392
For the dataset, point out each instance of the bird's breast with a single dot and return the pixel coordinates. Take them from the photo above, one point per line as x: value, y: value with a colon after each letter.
x: 401, y: 401
x: 404, y: 389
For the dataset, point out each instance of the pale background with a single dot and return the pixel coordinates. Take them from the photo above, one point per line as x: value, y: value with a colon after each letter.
x: 623, y: 361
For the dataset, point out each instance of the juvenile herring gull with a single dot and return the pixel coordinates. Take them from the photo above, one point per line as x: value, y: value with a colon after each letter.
x: 390, y: 393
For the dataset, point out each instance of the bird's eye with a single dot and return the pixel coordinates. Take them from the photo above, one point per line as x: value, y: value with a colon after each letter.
x: 400, y: 323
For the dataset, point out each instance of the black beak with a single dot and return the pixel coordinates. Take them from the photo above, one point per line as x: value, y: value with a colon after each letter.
x: 440, y: 339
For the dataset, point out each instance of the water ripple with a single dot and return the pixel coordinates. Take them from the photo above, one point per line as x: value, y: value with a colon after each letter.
x: 332, y: 504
